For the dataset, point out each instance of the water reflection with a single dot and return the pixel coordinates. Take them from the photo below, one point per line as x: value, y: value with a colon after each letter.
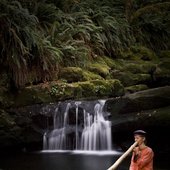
x: 67, y: 161
x: 79, y: 161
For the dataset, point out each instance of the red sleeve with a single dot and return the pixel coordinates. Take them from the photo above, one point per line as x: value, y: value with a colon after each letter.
x: 146, y: 158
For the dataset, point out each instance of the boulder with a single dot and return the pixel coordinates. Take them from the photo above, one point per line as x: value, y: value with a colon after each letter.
x: 143, y: 100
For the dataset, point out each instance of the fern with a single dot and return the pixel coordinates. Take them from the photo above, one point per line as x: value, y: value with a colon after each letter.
x: 151, y: 25
x: 23, y: 45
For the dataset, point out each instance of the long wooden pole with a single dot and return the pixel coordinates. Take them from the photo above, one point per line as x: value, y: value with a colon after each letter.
x: 116, y: 164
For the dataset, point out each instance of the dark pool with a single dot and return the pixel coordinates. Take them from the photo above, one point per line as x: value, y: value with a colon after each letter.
x: 68, y: 161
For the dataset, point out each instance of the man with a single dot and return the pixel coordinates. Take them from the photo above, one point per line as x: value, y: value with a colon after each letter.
x: 142, y: 157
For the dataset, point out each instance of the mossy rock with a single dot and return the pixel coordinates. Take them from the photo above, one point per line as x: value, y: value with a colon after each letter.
x: 73, y: 91
x: 99, y: 68
x: 139, y: 53
x: 139, y: 67
x: 55, y: 91
x: 117, y: 88
x: 64, y: 91
x: 105, y: 60
x: 51, y: 92
x: 88, y: 89
x: 111, y: 88
x: 111, y: 63
x: 129, y: 79
x: 87, y: 75
x: 133, y: 68
x: 136, y: 88
x: 144, y: 52
x: 71, y: 74
x: 102, y: 88
x: 128, y: 55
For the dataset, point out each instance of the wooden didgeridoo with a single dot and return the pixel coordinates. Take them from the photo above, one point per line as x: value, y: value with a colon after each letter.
x: 116, y: 164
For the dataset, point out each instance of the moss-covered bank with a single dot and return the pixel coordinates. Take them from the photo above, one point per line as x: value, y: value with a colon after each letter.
x: 55, y: 91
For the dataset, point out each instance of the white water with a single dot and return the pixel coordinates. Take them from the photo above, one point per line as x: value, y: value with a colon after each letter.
x: 97, y: 131
x: 95, y: 135
x: 57, y: 137
x: 77, y: 135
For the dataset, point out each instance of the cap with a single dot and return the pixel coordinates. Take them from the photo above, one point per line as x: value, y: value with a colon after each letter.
x: 140, y: 132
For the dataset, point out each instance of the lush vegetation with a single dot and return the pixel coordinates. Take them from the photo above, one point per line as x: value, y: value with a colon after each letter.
x: 37, y: 37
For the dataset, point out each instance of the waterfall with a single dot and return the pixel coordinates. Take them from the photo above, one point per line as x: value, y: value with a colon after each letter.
x: 44, y: 141
x: 77, y: 136
x: 79, y: 126
x: 57, y: 137
x: 96, y: 134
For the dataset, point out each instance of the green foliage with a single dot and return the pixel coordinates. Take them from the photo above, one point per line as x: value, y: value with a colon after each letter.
x: 57, y: 89
x: 143, y: 53
x: 87, y: 75
x: 114, y: 33
x: 72, y: 37
x: 39, y: 36
x: 88, y: 30
x: 71, y: 74
x: 23, y: 45
x: 151, y: 25
x: 46, y: 14
x: 139, y: 53
x: 99, y: 68
x: 136, y: 88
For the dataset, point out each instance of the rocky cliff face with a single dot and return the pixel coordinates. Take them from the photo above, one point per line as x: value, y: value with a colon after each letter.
x: 23, y: 127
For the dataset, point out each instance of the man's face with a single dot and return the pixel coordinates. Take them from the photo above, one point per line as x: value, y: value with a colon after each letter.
x: 139, y: 139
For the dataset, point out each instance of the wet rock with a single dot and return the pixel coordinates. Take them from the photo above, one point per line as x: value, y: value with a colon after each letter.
x: 144, y: 100
x: 155, y: 122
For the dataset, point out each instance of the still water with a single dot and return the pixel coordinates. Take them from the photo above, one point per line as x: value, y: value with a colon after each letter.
x: 67, y: 161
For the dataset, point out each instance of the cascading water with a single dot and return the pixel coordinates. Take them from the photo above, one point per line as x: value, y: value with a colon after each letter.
x: 57, y: 137
x: 77, y: 135
x: 97, y: 131
x: 79, y: 129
